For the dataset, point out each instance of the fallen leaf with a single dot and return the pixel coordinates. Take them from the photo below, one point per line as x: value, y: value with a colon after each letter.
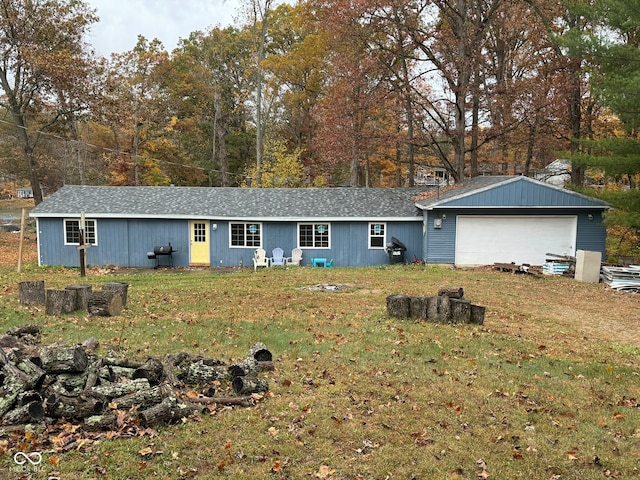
x: 146, y: 451
x: 572, y: 456
x: 324, y: 472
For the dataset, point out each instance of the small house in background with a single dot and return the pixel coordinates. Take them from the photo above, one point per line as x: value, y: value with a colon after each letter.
x: 557, y: 173
x: 25, y: 192
x: 430, y: 176
x: 480, y: 221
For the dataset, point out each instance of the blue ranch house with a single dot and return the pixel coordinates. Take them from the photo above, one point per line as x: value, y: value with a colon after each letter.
x: 480, y: 221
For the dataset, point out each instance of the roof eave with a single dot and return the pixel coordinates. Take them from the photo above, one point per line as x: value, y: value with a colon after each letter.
x: 230, y: 217
x: 510, y: 207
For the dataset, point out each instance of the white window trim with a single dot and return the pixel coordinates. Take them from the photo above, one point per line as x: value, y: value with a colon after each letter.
x: 370, y: 236
x: 328, y: 224
x: 77, y: 220
x: 245, y: 226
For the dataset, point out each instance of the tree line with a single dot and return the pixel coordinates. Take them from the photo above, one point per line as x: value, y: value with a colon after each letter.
x: 327, y: 92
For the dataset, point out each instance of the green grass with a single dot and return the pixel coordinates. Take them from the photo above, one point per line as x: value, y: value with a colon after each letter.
x: 546, y: 388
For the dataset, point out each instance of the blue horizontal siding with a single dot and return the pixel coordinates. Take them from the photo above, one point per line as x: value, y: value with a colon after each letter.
x: 439, y: 244
x: 592, y: 233
x: 522, y: 194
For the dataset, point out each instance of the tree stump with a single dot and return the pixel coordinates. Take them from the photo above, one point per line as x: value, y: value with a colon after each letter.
x: 477, y: 315
x: 418, y: 307
x: 107, y: 303
x: 32, y: 293
x: 60, y: 301
x: 120, y: 287
x: 451, y: 292
x: 81, y: 296
x: 398, y: 306
x: 432, y: 309
x: 439, y: 309
x: 460, y: 310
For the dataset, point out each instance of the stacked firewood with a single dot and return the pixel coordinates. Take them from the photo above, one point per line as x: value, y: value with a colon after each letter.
x: 46, y: 383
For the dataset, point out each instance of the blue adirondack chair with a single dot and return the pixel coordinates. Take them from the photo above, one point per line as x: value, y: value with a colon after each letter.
x: 278, y: 257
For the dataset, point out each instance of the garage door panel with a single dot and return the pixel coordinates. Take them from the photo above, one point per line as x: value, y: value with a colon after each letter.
x: 484, y: 240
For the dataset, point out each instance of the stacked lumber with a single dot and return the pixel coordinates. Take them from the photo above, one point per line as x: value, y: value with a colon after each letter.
x: 534, y: 270
x: 47, y: 383
x: 625, y: 279
x: 448, y: 306
x: 557, y: 264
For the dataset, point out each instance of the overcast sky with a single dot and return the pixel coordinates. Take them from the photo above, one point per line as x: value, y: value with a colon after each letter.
x: 121, y: 21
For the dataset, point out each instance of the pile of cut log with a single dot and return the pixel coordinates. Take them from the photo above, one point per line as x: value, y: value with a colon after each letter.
x: 107, y: 303
x: 449, y: 306
x: 45, y: 383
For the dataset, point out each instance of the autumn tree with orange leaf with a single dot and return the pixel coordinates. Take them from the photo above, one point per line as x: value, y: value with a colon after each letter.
x: 43, y: 54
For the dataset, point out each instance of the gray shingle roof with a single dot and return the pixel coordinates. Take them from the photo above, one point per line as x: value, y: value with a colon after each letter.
x: 231, y: 203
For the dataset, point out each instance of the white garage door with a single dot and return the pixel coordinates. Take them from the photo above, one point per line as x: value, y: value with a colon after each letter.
x: 485, y: 240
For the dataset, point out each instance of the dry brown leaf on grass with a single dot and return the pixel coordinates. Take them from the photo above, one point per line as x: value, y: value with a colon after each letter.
x: 325, y: 471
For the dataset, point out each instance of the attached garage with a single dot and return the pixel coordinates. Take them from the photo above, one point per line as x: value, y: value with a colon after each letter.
x: 505, y: 219
x: 487, y: 239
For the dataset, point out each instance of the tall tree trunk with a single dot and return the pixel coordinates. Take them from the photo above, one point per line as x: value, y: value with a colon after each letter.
x: 575, y: 120
x: 531, y: 140
x: 136, y: 148
x: 475, y: 132
x: 214, y: 135
x: 462, y: 86
x: 261, y: 14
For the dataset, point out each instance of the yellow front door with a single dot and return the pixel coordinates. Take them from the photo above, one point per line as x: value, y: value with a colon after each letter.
x: 199, y: 249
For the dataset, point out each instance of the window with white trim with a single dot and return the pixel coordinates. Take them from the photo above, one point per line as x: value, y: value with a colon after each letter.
x: 72, y: 232
x: 246, y: 235
x: 377, y: 234
x: 313, y: 235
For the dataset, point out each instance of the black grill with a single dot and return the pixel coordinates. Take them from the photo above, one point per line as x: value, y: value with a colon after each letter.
x: 162, y: 251
x: 395, y: 250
